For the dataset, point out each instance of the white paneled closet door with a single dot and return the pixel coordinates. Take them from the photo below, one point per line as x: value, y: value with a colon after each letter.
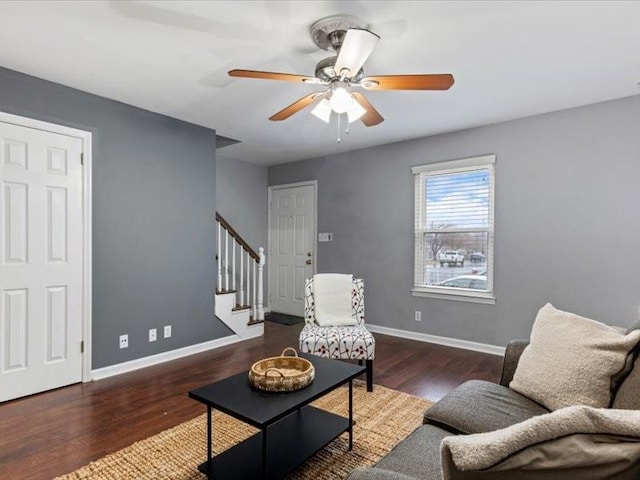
x: 41, y: 260
x: 292, y: 246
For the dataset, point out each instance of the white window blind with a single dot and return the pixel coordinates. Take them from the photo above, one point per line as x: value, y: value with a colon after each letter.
x: 454, y: 229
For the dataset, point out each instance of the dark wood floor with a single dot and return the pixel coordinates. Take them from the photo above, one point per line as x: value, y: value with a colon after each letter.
x: 56, y: 432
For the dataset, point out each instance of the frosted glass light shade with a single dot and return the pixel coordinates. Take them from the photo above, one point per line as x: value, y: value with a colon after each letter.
x: 323, y: 110
x: 340, y: 100
x: 355, y: 110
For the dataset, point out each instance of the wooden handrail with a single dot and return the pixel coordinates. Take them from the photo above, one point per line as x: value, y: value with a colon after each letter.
x: 238, y: 238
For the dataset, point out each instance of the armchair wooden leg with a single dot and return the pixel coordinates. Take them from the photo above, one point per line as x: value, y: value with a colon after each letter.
x: 360, y: 362
x: 369, y: 375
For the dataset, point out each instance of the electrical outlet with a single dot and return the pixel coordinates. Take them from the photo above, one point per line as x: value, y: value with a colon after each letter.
x: 167, y: 331
x: 153, y: 335
x: 124, y: 341
x: 418, y: 315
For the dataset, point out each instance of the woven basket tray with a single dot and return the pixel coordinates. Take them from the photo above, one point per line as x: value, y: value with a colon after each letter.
x: 282, y: 374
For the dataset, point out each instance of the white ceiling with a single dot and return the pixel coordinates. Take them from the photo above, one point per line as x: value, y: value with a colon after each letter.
x: 509, y: 60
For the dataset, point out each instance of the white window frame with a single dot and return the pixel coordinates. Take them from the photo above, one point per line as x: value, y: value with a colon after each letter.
x: 420, y: 173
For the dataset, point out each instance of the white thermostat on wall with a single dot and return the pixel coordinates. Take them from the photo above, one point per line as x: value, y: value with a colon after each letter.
x: 325, y: 237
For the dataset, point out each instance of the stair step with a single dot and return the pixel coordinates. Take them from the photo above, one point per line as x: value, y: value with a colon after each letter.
x: 221, y: 292
x: 237, y: 308
x: 255, y: 322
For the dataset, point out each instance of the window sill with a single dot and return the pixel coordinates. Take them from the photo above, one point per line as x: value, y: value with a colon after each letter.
x: 459, y: 296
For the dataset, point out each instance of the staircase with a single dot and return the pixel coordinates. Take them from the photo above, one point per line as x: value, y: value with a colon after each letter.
x: 239, y: 288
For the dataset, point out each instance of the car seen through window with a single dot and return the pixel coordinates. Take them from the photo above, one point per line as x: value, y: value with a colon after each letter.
x: 474, y: 282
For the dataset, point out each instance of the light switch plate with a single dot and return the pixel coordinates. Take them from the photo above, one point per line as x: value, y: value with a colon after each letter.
x: 325, y: 237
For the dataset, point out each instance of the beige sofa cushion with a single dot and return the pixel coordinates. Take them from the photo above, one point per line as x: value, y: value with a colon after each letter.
x: 477, y: 406
x: 571, y: 360
x: 628, y: 395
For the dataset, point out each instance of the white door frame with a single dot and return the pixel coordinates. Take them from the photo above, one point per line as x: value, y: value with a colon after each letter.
x: 314, y: 184
x: 85, y: 137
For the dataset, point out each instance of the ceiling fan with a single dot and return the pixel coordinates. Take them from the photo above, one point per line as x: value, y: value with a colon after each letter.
x: 342, y: 73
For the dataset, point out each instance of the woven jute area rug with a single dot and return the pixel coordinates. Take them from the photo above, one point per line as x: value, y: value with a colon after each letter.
x: 383, y: 418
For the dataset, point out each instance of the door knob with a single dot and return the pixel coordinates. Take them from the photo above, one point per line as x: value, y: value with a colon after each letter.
x: 309, y: 254
x: 308, y: 262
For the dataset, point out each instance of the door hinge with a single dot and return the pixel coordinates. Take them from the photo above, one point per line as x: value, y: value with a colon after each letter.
x: 82, y: 346
x: 82, y: 159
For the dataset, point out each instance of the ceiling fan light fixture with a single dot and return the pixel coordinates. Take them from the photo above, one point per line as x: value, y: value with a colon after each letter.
x: 353, y: 43
x: 355, y: 110
x: 323, y: 110
x: 340, y: 99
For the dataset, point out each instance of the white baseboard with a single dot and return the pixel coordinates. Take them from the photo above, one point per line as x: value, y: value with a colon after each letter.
x: 125, y: 367
x: 449, y: 342
x: 120, y: 368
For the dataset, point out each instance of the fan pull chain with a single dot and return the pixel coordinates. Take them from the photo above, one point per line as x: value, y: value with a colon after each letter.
x: 346, y: 130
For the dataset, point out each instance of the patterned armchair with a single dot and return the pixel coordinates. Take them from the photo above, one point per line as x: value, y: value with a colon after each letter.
x: 344, y: 342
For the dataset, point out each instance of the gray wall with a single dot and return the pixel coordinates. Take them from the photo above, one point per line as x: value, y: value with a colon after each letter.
x: 567, y: 195
x: 242, y: 199
x: 153, y: 217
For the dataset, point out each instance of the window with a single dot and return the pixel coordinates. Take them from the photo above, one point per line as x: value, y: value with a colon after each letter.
x: 454, y: 210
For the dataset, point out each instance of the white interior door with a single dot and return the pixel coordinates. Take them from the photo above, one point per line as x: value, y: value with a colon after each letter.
x: 41, y: 260
x: 292, y: 246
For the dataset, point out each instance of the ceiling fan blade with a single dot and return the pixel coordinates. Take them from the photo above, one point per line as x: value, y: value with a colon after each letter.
x: 442, y: 81
x: 295, y: 107
x: 287, y: 77
x: 372, y: 117
x: 356, y: 48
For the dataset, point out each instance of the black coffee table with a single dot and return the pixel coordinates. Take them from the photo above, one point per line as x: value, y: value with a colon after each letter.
x: 291, y: 430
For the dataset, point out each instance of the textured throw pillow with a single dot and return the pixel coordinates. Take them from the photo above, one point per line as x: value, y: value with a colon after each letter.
x: 333, y: 293
x: 571, y: 360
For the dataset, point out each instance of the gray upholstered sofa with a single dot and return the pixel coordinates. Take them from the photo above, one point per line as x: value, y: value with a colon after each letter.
x: 478, y: 407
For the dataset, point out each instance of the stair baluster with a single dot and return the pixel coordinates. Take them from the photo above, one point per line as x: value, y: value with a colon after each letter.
x: 233, y: 263
x: 226, y: 260
x: 255, y: 302
x: 241, y: 277
x: 260, y: 285
x: 219, y: 259
x: 248, y: 279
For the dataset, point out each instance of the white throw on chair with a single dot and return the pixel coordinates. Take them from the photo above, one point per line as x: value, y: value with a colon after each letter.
x: 334, y: 321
